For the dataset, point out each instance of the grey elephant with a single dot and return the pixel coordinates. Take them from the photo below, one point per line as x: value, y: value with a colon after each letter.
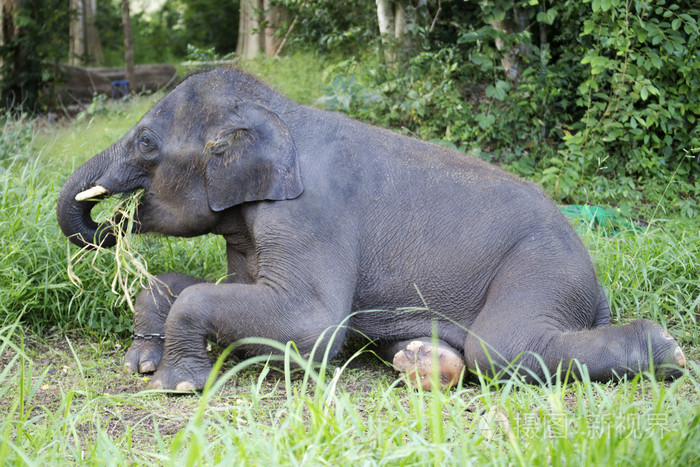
x: 464, y: 265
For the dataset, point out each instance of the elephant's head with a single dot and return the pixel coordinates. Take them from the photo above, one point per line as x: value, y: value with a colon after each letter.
x: 207, y: 146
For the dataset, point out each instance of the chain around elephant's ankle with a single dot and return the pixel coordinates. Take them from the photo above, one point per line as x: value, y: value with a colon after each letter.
x: 148, y: 336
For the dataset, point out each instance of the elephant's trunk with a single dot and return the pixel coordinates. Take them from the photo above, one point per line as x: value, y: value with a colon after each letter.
x: 76, y: 200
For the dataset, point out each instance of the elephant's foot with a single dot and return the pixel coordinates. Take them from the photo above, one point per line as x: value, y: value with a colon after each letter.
x: 144, y: 355
x: 648, y: 347
x: 669, y: 359
x: 415, y: 364
x: 192, y: 377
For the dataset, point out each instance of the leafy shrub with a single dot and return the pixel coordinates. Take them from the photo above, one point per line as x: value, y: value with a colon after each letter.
x: 641, y: 98
x: 349, y: 25
x: 604, y: 107
x: 29, y: 57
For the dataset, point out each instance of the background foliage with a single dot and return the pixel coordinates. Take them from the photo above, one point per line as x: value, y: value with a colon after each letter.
x: 163, y: 35
x: 605, y: 108
x: 28, y: 62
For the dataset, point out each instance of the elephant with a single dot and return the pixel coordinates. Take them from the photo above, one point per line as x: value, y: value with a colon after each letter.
x: 337, y: 230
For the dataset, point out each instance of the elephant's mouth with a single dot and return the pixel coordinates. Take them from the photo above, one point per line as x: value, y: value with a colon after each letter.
x: 122, y: 217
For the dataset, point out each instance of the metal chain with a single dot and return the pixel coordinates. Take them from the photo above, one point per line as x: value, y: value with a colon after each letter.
x: 148, y: 336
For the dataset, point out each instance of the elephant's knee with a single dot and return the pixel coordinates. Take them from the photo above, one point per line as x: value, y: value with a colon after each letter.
x: 183, y: 309
x: 188, y: 316
x: 154, y: 300
x: 148, y: 301
x: 151, y: 308
x: 158, y: 293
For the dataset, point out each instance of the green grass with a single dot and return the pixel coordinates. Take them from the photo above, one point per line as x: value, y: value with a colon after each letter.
x: 653, y: 274
x: 64, y: 399
x: 65, y: 402
x: 298, y: 76
x: 67, y: 145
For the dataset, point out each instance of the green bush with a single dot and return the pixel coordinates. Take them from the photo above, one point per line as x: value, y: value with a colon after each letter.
x: 641, y: 100
x: 605, y: 105
x: 30, y: 54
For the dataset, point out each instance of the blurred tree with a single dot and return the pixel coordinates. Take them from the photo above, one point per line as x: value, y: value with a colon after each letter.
x: 259, y: 21
x: 392, y: 17
x: 208, y: 23
x: 128, y: 46
x: 85, y: 47
x: 250, y: 38
x: 346, y: 26
x: 33, y: 38
x: 510, y: 20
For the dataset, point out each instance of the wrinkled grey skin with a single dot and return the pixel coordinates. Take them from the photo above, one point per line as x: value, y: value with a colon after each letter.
x: 324, y: 216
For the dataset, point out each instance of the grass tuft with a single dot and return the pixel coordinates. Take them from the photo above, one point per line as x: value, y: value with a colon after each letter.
x: 652, y: 274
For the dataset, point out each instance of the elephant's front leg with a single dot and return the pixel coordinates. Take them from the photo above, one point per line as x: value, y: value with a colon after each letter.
x: 225, y: 313
x: 150, y: 312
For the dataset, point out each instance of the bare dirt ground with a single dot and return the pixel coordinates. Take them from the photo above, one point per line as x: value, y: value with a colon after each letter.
x: 92, y: 368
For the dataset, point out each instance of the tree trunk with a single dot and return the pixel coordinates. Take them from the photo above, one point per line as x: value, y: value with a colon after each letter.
x: 393, y: 22
x: 400, y: 21
x: 275, y: 16
x: 128, y: 47
x: 92, y: 36
x: 20, y: 74
x: 512, y: 58
x: 258, y: 23
x: 85, y: 44
x: 77, y: 52
x: 385, y: 15
x: 251, y: 37
x: 8, y: 28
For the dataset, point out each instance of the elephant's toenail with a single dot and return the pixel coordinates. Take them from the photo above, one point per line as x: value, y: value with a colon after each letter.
x: 184, y: 386
x: 679, y: 357
x: 147, y: 367
x: 666, y: 335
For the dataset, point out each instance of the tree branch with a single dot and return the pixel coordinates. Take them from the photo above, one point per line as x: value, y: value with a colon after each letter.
x: 286, y: 36
x: 437, y: 13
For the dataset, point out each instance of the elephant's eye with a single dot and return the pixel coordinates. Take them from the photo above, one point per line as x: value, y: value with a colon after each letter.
x: 147, y: 146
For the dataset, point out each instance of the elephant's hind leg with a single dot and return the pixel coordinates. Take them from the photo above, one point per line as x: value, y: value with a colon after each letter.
x: 414, y: 359
x: 542, y: 319
x: 609, y: 353
x: 616, y: 351
x: 150, y: 311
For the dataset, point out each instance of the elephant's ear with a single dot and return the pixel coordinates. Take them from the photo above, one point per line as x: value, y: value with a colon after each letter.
x: 252, y: 159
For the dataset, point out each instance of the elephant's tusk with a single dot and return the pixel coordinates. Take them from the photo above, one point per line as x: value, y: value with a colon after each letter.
x: 90, y: 193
